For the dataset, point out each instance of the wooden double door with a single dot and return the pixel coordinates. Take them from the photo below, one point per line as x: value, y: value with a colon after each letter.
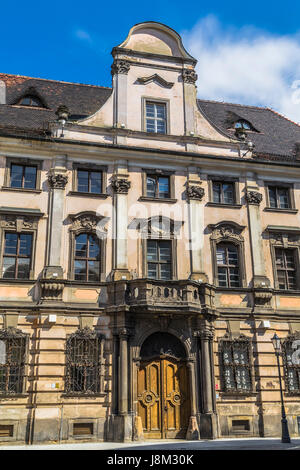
x: 163, y: 398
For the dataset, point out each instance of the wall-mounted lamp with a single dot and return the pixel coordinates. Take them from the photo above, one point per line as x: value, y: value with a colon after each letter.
x: 62, y: 114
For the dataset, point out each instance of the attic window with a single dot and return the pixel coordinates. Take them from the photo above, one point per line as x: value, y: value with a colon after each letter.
x: 242, y: 124
x: 30, y: 100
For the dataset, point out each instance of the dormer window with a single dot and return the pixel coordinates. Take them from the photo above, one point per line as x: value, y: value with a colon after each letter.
x: 30, y: 100
x: 242, y: 124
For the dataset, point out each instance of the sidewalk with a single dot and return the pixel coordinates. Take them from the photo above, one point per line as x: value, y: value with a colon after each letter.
x: 170, y: 445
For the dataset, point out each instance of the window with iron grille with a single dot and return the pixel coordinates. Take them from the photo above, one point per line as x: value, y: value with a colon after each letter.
x: 285, y: 260
x: 87, y: 257
x: 228, y: 265
x: 17, y: 255
x: 13, y: 345
x: 84, y: 351
x: 158, y: 186
x: 291, y: 361
x: 23, y: 176
x: 156, y: 117
x: 159, y: 259
x: 279, y: 197
x: 223, y: 193
x: 235, y: 365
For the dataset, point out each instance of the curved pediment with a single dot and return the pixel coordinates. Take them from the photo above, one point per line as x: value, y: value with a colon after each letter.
x: 157, y: 79
x: 155, y: 38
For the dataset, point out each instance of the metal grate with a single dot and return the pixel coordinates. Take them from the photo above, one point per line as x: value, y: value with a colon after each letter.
x: 83, y: 362
x: 12, y: 360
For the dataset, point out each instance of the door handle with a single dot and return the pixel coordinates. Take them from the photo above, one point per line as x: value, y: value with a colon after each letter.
x: 166, y: 408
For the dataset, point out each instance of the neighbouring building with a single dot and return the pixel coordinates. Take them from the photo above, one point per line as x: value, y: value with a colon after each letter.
x: 149, y: 252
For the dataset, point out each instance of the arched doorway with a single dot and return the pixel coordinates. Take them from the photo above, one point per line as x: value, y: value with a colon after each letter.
x: 163, y: 396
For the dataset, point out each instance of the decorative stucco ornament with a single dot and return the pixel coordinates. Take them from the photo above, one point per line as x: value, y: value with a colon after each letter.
x: 195, y: 192
x: 120, y: 186
x: 120, y: 66
x: 189, y: 76
x: 253, y: 197
x: 57, y: 181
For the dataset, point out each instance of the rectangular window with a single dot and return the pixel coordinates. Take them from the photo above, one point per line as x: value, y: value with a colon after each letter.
x: 292, y: 368
x: 23, y: 176
x: 17, y: 255
x: 83, y: 429
x: 279, y: 197
x: 87, y: 258
x: 89, y: 181
x: 12, y: 363
x: 223, y: 193
x: 235, y: 363
x: 159, y: 259
x: 83, y: 363
x: 156, y: 117
x: 158, y: 186
x: 285, y: 268
x: 228, y: 265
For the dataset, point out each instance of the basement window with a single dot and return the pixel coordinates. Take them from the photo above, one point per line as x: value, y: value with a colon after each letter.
x: 6, y: 430
x: 240, y: 425
x: 83, y: 429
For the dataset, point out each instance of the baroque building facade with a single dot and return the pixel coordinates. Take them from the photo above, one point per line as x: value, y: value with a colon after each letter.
x: 149, y: 251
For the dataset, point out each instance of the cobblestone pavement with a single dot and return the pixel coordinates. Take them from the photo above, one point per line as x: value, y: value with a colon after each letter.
x: 169, y: 445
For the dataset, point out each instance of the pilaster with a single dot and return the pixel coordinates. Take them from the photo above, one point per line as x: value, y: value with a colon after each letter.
x: 120, y: 185
x: 260, y: 282
x: 195, y: 195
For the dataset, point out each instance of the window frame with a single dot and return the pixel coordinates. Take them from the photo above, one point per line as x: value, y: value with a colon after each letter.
x: 12, y: 333
x: 17, y: 221
x: 233, y: 236
x: 150, y: 99
x: 159, y: 262
x: 22, y: 162
x: 147, y: 234
x: 84, y: 334
x: 17, y: 256
x: 285, y: 343
x: 280, y: 239
x: 224, y: 180
x: 228, y: 339
x: 227, y: 266
x: 87, y: 258
x: 90, y: 168
x: 279, y: 185
x: 158, y: 173
x: 77, y: 228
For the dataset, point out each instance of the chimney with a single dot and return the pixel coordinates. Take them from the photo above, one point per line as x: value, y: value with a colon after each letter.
x: 2, y: 92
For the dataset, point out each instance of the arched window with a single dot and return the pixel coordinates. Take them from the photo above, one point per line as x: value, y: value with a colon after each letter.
x: 228, y: 265
x: 30, y: 100
x: 87, y: 247
x: 13, y: 345
x: 84, y: 362
x: 87, y: 257
x: 227, y: 244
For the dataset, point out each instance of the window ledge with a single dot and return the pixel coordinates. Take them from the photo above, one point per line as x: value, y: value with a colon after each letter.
x: 276, y: 209
x: 23, y: 190
x: 92, y: 195
x: 287, y: 292
x: 84, y: 395
x: 17, y: 281
x: 226, y: 206
x: 168, y: 200
x: 238, y: 394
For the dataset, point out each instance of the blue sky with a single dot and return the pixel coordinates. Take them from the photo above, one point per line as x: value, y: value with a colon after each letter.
x: 247, y: 52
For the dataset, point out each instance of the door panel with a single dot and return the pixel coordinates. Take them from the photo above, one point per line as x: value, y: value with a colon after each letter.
x: 163, y: 398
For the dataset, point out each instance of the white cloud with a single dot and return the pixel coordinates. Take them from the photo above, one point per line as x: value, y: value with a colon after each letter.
x: 83, y: 36
x: 246, y: 66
